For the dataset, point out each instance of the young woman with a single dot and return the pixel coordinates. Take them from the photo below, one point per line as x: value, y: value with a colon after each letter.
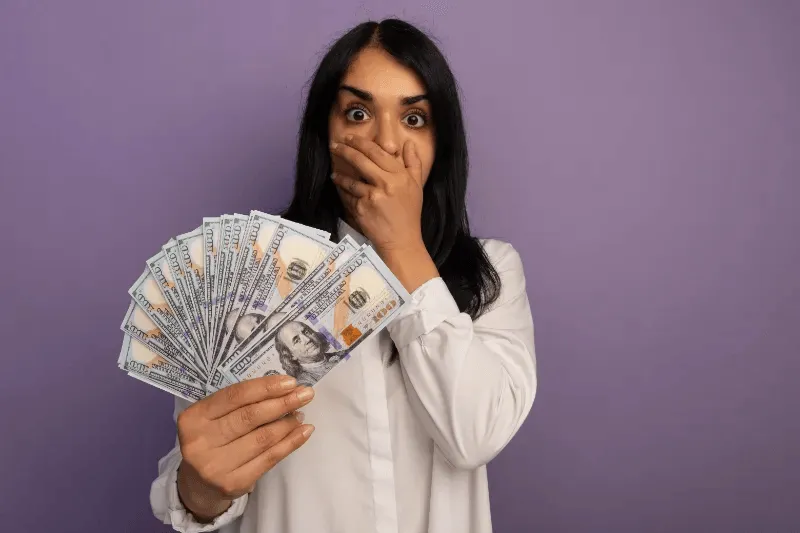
x: 403, y: 429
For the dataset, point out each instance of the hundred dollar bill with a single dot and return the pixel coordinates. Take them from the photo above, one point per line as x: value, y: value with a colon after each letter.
x: 211, y: 233
x: 290, y: 256
x: 216, y: 289
x: 182, y: 279
x: 217, y: 380
x: 147, y: 295
x: 142, y: 363
x: 244, y: 240
x: 192, y: 262
x: 357, y: 301
x: 335, y: 259
x: 259, y: 233
x: 289, y: 294
x: 233, y: 232
x: 162, y: 274
x: 139, y: 326
x: 170, y: 288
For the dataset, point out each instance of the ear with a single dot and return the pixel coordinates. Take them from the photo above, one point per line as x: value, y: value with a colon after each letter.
x: 412, y: 162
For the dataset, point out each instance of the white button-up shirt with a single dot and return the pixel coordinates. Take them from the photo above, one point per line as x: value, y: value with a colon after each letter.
x: 398, y: 448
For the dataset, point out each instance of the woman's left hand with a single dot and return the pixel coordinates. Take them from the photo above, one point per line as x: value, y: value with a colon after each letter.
x: 385, y: 200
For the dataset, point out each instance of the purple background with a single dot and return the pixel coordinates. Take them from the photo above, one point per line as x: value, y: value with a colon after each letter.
x: 642, y: 156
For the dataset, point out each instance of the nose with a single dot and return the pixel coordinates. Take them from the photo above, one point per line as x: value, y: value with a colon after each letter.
x: 387, y: 135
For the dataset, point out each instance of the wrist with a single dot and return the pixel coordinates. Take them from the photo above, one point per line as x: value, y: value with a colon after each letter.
x: 201, y: 500
x: 411, y: 264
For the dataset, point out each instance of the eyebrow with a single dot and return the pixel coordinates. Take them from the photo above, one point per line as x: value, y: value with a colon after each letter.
x: 364, y: 95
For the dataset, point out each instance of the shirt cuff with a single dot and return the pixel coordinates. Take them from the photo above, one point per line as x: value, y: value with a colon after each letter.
x: 182, y: 519
x: 430, y: 305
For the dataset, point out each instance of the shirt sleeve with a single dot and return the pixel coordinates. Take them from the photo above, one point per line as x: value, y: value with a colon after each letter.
x: 166, y: 504
x: 470, y: 383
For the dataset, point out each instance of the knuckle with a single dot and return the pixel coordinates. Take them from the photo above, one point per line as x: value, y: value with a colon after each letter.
x: 248, y: 415
x: 183, y: 421
x: 289, y: 402
x: 264, y: 437
x: 273, y: 384
x: 208, y: 472
x: 229, y: 488
x: 228, y: 427
x: 192, y: 450
x: 232, y: 393
x: 270, y: 458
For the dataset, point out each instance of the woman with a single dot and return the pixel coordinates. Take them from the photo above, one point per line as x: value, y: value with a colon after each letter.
x: 403, y: 429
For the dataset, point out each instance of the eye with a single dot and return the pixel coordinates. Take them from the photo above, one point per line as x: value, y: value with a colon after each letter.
x: 356, y: 114
x: 416, y: 119
x: 296, y: 339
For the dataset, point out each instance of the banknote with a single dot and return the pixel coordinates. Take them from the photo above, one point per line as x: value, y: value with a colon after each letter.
x: 172, y: 254
x: 232, y: 239
x: 357, y: 301
x: 290, y: 256
x: 217, y: 380
x: 192, y: 262
x: 211, y: 233
x: 289, y: 294
x: 139, y: 326
x: 259, y: 233
x: 237, y: 289
x: 260, y: 230
x: 147, y: 295
x: 142, y: 363
x: 216, y: 289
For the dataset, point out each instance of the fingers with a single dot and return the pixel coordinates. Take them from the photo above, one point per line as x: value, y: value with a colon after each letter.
x: 366, y: 167
x: 250, y: 446
x: 235, y: 396
x: 349, y: 201
x: 412, y: 162
x: 250, y: 472
x: 248, y: 417
x: 375, y: 152
x: 354, y: 187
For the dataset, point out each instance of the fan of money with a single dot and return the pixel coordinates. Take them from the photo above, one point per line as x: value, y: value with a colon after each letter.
x: 247, y: 296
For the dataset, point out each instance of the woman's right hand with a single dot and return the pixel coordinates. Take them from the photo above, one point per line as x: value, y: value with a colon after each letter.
x: 231, y: 438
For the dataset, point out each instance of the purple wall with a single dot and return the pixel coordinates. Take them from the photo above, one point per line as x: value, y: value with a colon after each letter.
x: 642, y: 156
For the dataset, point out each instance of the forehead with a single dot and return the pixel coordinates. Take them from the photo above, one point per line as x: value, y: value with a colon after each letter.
x: 375, y: 71
x: 290, y: 329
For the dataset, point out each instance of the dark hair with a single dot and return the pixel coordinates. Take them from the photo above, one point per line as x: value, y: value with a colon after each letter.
x: 461, y: 260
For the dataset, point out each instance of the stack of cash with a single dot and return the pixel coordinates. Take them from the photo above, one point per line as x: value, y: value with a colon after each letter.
x: 243, y: 296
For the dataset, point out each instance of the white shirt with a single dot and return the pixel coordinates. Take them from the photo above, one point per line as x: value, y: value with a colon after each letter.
x: 398, y: 448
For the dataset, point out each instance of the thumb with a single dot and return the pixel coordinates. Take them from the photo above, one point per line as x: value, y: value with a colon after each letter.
x: 411, y: 161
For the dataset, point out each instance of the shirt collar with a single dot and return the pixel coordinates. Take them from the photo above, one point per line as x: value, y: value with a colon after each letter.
x: 346, y: 229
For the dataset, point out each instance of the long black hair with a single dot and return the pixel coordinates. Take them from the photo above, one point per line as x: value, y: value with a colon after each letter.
x: 461, y: 260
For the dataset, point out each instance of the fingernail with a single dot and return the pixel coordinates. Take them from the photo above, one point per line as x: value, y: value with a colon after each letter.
x: 308, y: 430
x: 288, y: 383
x: 333, y: 175
x: 300, y: 416
x: 334, y: 145
x: 306, y: 394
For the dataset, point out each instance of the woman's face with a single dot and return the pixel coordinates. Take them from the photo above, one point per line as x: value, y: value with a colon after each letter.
x: 377, y: 99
